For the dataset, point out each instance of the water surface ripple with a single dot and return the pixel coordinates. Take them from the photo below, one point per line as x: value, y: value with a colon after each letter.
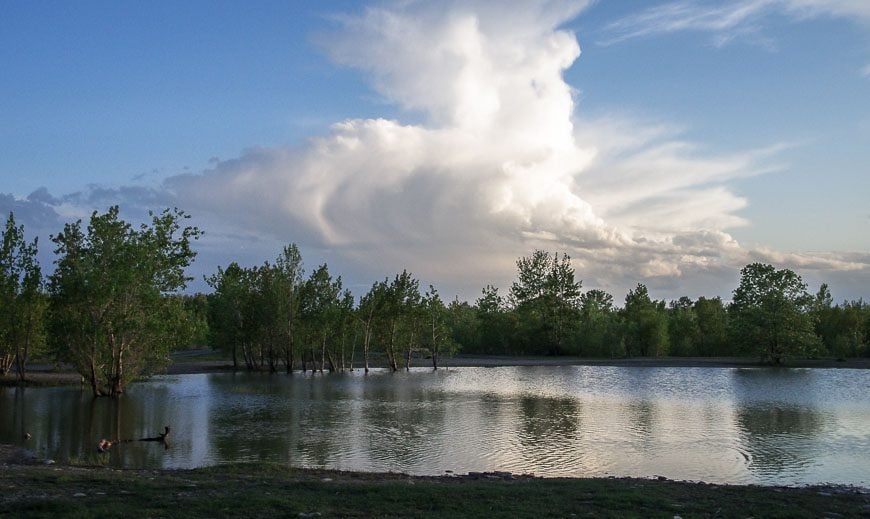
x: 725, y: 425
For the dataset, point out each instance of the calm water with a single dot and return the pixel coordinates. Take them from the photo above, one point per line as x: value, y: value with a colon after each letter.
x: 794, y: 426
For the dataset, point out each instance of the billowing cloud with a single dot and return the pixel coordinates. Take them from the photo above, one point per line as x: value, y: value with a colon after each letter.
x: 499, y: 160
x: 502, y: 162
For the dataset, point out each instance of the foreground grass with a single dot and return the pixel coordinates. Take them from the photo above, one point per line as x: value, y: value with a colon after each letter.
x: 269, y: 490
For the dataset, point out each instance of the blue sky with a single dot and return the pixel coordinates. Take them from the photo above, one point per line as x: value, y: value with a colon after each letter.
x: 661, y: 142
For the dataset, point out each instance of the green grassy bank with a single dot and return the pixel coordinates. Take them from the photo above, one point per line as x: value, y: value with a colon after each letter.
x: 270, y: 490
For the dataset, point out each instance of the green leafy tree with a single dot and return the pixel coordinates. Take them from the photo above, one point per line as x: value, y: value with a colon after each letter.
x: 712, y: 319
x: 438, y: 338
x: 683, y: 330
x: 110, y: 317
x: 463, y: 322
x: 225, y: 310
x: 320, y: 308
x: 770, y: 313
x: 402, y: 317
x: 546, y: 299
x: 599, y: 326
x: 23, y: 302
x: 646, y: 332
x: 496, y: 326
x: 288, y: 284
x: 368, y: 314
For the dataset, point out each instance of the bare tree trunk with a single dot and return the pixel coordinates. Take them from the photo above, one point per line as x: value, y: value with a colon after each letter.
x: 95, y: 388
x: 331, y: 362
x: 391, y: 349
x: 353, y: 346
x: 322, y: 351
x: 367, y: 339
x: 117, y: 377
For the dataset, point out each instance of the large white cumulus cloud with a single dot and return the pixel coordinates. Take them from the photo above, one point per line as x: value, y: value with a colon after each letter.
x: 499, y: 161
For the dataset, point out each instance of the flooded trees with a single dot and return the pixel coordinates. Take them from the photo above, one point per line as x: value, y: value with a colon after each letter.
x: 109, y: 314
x: 323, y: 315
x: 438, y: 338
x: 23, y: 303
x: 288, y: 281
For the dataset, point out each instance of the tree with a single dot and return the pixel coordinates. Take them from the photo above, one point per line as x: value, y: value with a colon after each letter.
x: 320, y: 309
x: 599, y: 335
x: 225, y: 312
x: 463, y: 322
x: 22, y: 320
x: 712, y: 320
x: 402, y: 317
x: 546, y: 298
x: 683, y: 330
x: 110, y: 316
x: 496, y: 326
x: 438, y: 339
x: 289, y: 280
x: 646, y: 324
x: 770, y: 313
x: 369, y: 311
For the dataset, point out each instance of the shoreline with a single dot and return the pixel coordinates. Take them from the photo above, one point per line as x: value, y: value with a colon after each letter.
x: 32, y: 488
x: 47, y: 376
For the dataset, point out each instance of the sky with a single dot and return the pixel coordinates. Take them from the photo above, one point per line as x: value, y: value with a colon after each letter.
x: 663, y: 142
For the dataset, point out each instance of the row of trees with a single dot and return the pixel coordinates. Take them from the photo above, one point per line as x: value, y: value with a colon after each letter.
x: 771, y: 315
x: 113, y: 309
x: 273, y: 317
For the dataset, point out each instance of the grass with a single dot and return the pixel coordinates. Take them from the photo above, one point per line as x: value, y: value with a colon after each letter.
x: 267, y: 490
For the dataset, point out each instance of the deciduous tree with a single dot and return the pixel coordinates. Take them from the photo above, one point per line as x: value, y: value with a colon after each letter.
x: 107, y: 294
x: 770, y: 312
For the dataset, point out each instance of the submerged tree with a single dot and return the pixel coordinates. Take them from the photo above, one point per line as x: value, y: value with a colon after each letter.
x: 437, y: 338
x: 770, y: 312
x: 23, y: 303
x: 110, y: 316
x: 288, y: 284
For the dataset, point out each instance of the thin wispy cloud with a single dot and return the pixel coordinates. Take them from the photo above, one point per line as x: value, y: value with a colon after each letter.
x: 727, y: 21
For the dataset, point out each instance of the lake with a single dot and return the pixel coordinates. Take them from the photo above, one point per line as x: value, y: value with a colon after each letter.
x: 722, y: 425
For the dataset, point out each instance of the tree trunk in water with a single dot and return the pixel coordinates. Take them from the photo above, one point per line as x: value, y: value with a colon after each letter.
x: 434, y: 359
x: 117, y: 386
x: 331, y: 362
x: 367, y: 337
x: 322, y: 352
x: 95, y: 388
x: 289, y: 360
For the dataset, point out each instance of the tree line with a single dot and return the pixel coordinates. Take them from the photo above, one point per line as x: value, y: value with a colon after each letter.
x: 113, y: 308
x: 771, y: 315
